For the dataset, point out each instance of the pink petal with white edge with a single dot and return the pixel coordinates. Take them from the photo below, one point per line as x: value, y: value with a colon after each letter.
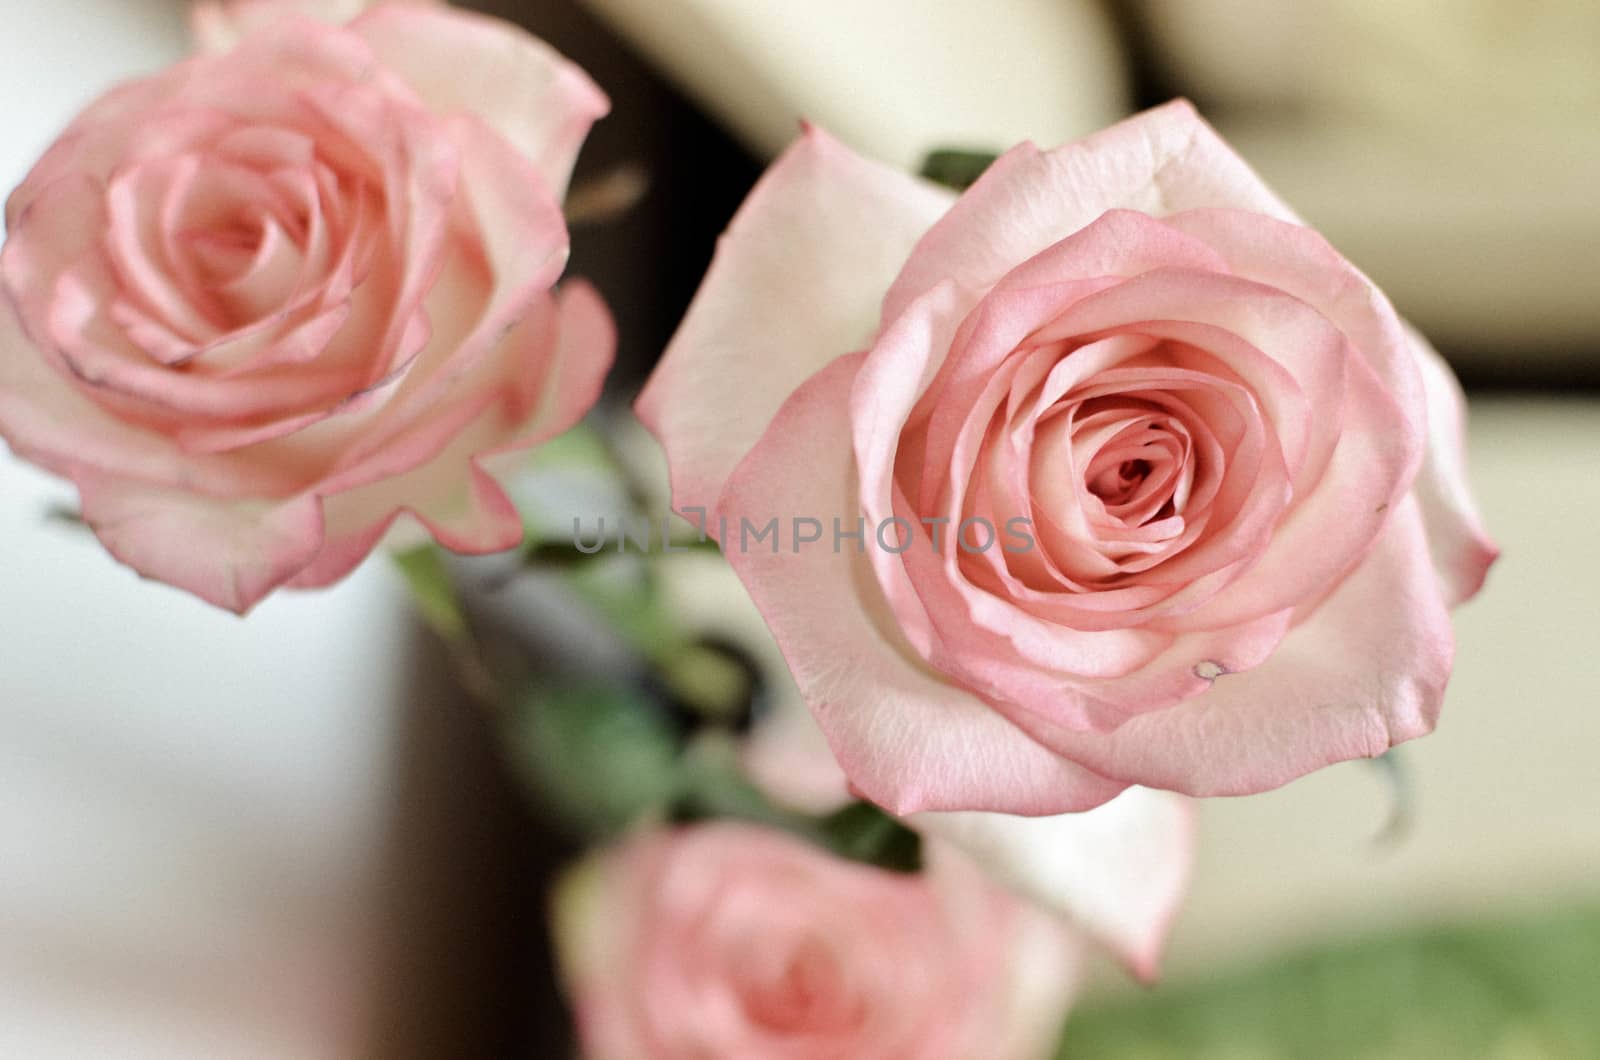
x: 1045, y: 970
x: 1041, y: 969
x: 797, y: 281
x: 217, y: 25
x: 907, y: 740
x: 1366, y: 671
x: 1462, y: 549
x: 48, y: 420
x: 463, y: 62
x: 230, y: 554
x: 1300, y: 262
x: 1160, y: 162
x: 450, y: 492
x: 522, y: 239
x: 1119, y: 871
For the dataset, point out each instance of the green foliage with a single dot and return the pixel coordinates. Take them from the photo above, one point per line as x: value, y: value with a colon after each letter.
x: 604, y: 756
x: 432, y: 591
x: 606, y: 751
x: 1520, y: 991
x: 862, y: 832
x: 858, y: 832
x: 584, y: 446
x: 598, y: 754
x: 956, y: 168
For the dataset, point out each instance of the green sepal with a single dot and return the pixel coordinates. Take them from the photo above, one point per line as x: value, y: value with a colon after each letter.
x: 859, y: 832
x: 956, y: 168
x: 433, y: 592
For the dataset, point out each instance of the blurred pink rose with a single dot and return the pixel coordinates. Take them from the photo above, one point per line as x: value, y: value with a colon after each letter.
x: 731, y: 941
x: 218, y: 25
x: 1119, y: 872
x: 1208, y: 489
x: 261, y: 304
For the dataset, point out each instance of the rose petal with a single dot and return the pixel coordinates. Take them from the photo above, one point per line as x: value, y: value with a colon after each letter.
x: 908, y: 740
x: 1300, y: 262
x: 1462, y: 549
x: 462, y: 62
x: 217, y: 25
x: 551, y: 366
x: 94, y: 144
x: 522, y: 242
x: 795, y: 283
x: 1119, y: 871
x: 49, y: 421
x: 230, y: 554
x: 1159, y: 162
x: 1364, y: 672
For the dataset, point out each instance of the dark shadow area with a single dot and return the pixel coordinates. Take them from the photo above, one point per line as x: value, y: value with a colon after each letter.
x: 467, y: 968
x: 649, y: 261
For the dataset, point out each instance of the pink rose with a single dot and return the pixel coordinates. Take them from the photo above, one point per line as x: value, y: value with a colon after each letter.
x: 261, y: 304
x: 1208, y: 488
x: 1119, y: 872
x: 218, y: 25
x: 730, y: 941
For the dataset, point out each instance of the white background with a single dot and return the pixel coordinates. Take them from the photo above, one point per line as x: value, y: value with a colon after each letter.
x: 191, y: 805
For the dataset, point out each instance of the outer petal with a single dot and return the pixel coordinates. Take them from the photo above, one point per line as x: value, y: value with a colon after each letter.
x: 451, y: 492
x: 906, y: 739
x: 1044, y: 973
x: 592, y: 912
x: 218, y: 25
x: 797, y: 281
x: 1120, y: 871
x: 1041, y: 964
x: 1160, y: 162
x: 49, y: 421
x: 524, y: 246
x: 1461, y: 547
x: 230, y: 554
x: 1367, y: 670
x: 459, y: 61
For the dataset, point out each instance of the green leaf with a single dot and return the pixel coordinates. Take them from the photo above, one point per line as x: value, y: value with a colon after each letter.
x: 956, y: 167
x: 716, y: 686
x: 858, y: 832
x: 601, y: 753
x: 1525, y: 988
x: 65, y: 515
x: 622, y: 592
x: 708, y: 791
x: 862, y: 832
x: 433, y: 592
x: 584, y: 446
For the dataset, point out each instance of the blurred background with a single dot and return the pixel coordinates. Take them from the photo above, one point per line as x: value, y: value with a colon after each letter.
x: 291, y: 838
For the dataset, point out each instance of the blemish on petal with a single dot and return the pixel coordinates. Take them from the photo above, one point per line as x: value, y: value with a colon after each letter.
x: 1209, y: 671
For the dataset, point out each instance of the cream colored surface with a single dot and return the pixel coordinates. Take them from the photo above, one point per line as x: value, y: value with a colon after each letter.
x: 1414, y: 60
x: 1484, y: 236
x: 1449, y: 147
x: 1507, y: 791
x: 894, y: 78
